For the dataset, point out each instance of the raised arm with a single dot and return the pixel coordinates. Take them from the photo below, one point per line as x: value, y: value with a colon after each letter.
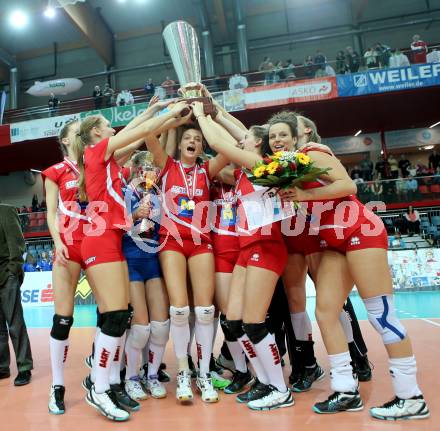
x: 123, y: 155
x: 237, y: 132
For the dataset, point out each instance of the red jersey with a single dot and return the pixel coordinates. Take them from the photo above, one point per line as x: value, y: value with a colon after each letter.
x: 419, y: 51
x: 104, y: 189
x: 185, y: 199
x: 266, y: 233
x: 71, y: 214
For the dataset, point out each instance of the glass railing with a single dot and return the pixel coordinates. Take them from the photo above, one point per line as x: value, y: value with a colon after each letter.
x: 33, y: 222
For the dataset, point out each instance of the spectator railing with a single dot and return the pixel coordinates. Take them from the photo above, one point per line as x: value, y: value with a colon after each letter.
x: 33, y: 222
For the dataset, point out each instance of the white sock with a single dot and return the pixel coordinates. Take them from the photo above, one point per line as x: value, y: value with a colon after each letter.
x: 251, y: 353
x: 345, y: 320
x: 158, y: 341
x: 302, y: 326
x: 95, y: 343
x: 58, y: 355
x: 404, y: 377
x: 137, y: 338
x: 192, y: 325
x: 115, y: 366
x: 105, y: 349
x: 216, y: 320
x: 180, y: 335
x: 267, y: 351
x: 341, y: 373
x: 238, y: 355
x: 204, y: 330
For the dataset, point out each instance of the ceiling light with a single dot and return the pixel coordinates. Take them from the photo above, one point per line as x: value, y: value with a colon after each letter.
x: 428, y: 147
x: 358, y: 133
x: 49, y: 12
x: 436, y: 124
x: 18, y: 19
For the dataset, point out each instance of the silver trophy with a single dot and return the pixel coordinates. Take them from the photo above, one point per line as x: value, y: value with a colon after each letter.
x: 183, y: 46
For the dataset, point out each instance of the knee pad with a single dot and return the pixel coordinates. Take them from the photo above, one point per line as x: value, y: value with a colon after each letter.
x: 99, y: 319
x: 61, y: 327
x: 235, y: 328
x: 159, y: 332
x: 138, y: 336
x: 382, y: 315
x: 226, y: 332
x: 115, y: 323
x: 205, y: 315
x: 255, y: 331
x: 179, y: 316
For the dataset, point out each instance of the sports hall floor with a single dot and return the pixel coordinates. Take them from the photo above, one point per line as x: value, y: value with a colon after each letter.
x: 25, y: 408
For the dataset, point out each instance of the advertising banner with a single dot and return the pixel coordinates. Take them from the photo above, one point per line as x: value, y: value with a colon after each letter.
x: 354, y: 144
x: 385, y: 80
x: 118, y: 115
x: 412, y: 137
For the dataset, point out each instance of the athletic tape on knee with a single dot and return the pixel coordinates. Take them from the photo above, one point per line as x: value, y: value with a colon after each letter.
x: 61, y: 327
x: 138, y: 336
x: 179, y: 316
x: 205, y: 315
x: 255, y: 331
x: 235, y: 328
x: 115, y: 323
x: 159, y: 332
x: 382, y: 315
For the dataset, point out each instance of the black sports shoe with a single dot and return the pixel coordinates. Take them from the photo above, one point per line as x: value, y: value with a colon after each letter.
x: 256, y: 391
x: 124, y: 399
x: 340, y: 402
x: 192, y: 367
x: 214, y: 367
x: 87, y: 383
x: 56, y: 400
x: 163, y: 376
x: 361, y: 366
x: 23, y: 378
x: 309, y: 375
x: 239, y: 381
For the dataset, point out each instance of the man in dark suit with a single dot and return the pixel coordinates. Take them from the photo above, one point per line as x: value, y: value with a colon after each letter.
x: 11, y: 312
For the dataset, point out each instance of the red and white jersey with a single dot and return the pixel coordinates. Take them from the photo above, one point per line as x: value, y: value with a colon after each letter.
x: 185, y: 199
x: 71, y: 214
x: 104, y: 189
x: 336, y: 219
x: 419, y: 51
x: 266, y: 233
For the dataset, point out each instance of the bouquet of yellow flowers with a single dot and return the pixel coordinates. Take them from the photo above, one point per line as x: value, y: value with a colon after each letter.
x: 285, y: 169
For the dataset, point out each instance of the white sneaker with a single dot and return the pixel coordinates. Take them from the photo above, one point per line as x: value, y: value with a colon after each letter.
x: 183, y: 390
x: 135, y: 390
x: 397, y: 409
x: 56, y: 400
x: 107, y: 405
x: 156, y: 388
x: 205, y: 386
x: 273, y: 400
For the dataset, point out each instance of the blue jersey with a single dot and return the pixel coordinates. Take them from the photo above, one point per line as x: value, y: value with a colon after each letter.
x: 135, y: 246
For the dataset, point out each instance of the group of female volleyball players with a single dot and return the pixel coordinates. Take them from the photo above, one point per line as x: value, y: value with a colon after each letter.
x: 141, y: 226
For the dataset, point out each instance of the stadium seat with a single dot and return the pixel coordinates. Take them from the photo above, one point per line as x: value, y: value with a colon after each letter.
x: 41, y: 215
x: 33, y: 224
x: 424, y: 190
x: 435, y: 188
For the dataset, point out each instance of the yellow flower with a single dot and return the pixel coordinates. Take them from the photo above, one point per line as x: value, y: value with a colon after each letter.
x: 278, y: 154
x: 272, y: 167
x: 258, y: 172
x: 303, y: 158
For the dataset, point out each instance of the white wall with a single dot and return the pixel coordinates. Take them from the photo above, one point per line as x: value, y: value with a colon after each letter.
x: 14, y: 191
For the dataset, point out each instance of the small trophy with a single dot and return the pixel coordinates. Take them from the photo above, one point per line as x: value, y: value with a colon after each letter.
x: 147, y: 224
x: 183, y: 46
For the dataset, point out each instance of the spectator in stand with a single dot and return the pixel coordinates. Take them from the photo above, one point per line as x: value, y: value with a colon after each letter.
x: 97, y: 96
x: 396, y: 241
x: 376, y: 188
x: 290, y: 70
x: 419, y: 49
x: 366, y: 167
x: 24, y: 209
x: 353, y: 59
x: 383, y: 168
x: 412, y: 219
x: 278, y: 72
x: 43, y: 206
x: 124, y: 98
x: 237, y: 82
x: 357, y: 179
x: 35, y: 204
x: 370, y: 58
x: 401, y: 189
x: 149, y: 88
x: 341, y: 65
x: 30, y: 264
x: 44, y: 263
x: 394, y: 166
x: 267, y: 67
x: 412, y: 170
x: 355, y: 171
x: 434, y: 160
x: 433, y: 56
x: 320, y: 60
x: 436, y: 179
x: 404, y: 164
x: 168, y: 85
x: 309, y: 67
x: 383, y: 54
x: 53, y: 104
x: 398, y: 59
x: 108, y: 95
x: 412, y: 188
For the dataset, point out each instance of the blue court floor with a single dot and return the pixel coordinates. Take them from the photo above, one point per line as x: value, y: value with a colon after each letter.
x: 410, y: 305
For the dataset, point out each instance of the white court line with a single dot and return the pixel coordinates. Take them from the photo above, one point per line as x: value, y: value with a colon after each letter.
x: 431, y: 322
x: 420, y: 318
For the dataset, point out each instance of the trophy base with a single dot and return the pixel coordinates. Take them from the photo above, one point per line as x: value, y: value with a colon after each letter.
x: 208, y: 106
